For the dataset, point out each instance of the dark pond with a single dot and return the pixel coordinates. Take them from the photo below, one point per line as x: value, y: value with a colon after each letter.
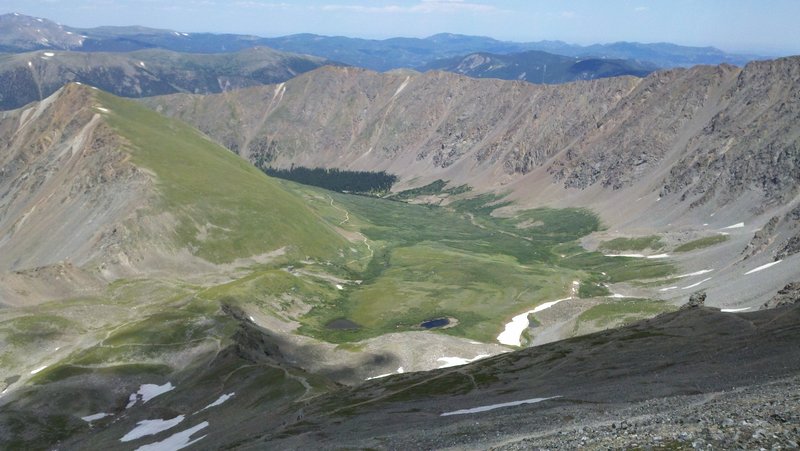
x: 343, y: 324
x: 433, y: 323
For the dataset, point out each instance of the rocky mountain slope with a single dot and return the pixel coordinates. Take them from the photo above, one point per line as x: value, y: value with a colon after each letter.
x: 160, y: 291
x: 84, y: 188
x: 696, y: 376
x: 21, y: 33
x: 539, y: 67
x: 669, y: 130
x: 685, y: 154
x: 27, y: 77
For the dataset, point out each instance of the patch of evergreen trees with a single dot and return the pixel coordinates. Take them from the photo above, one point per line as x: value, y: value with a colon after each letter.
x: 361, y: 182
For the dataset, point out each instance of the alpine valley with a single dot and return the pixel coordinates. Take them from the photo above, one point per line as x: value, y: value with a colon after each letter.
x: 605, y: 263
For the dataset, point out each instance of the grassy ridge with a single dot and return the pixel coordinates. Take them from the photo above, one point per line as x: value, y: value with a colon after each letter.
x: 240, y: 211
x: 632, y: 244
x: 701, y: 243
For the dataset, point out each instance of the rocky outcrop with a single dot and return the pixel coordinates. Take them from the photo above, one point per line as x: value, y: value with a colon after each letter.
x: 761, y: 238
x: 65, y: 183
x: 696, y: 300
x: 788, y: 295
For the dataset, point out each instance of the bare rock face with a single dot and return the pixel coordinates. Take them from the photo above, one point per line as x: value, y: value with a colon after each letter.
x: 697, y: 299
x: 788, y: 295
x: 705, y: 135
x: 65, y: 183
x: 761, y: 238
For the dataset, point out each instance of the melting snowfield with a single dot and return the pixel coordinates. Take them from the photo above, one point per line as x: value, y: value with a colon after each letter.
x: 147, y: 392
x: 496, y: 406
x: 738, y: 225
x: 96, y: 416
x: 176, y: 441
x: 219, y: 401
x: 455, y: 361
x: 151, y: 427
x: 399, y: 371
x: 696, y: 284
x: 513, y: 331
x: 696, y: 273
x: 734, y: 310
x: 762, y: 267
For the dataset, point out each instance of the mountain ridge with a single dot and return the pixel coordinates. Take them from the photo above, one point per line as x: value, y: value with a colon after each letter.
x: 35, y: 75
x: 535, y: 66
x: 380, y: 55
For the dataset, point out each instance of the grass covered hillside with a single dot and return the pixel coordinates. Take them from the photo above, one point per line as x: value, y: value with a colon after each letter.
x: 225, y: 208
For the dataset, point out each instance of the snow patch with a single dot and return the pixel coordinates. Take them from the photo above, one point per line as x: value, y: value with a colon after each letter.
x: 400, y: 370
x: 738, y: 225
x: 762, y: 267
x: 104, y: 110
x: 96, y: 416
x: 401, y: 87
x: 49, y: 54
x: 280, y: 88
x: 734, y: 310
x: 147, y: 392
x: 625, y: 255
x: 696, y: 284
x: 339, y: 287
x: 668, y: 289
x: 218, y: 402
x: 497, y: 406
x: 378, y: 376
x: 176, y: 441
x: 511, y: 334
x: 658, y: 256
x: 151, y: 427
x: 696, y: 273
x: 455, y: 361
x: 38, y: 369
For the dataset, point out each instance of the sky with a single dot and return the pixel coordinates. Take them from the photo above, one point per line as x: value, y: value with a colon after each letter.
x: 766, y: 27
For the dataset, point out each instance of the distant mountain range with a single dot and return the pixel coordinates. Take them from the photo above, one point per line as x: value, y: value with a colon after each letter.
x: 540, y: 67
x: 19, y: 33
x: 26, y: 77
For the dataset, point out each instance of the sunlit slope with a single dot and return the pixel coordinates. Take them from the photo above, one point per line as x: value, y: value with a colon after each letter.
x: 225, y: 207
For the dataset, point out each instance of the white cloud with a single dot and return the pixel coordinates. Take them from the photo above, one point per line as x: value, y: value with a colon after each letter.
x: 641, y: 9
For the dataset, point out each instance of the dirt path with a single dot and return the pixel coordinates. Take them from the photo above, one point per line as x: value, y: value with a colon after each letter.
x: 345, y: 221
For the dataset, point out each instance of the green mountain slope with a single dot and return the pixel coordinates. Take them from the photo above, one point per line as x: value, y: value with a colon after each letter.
x: 241, y: 211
